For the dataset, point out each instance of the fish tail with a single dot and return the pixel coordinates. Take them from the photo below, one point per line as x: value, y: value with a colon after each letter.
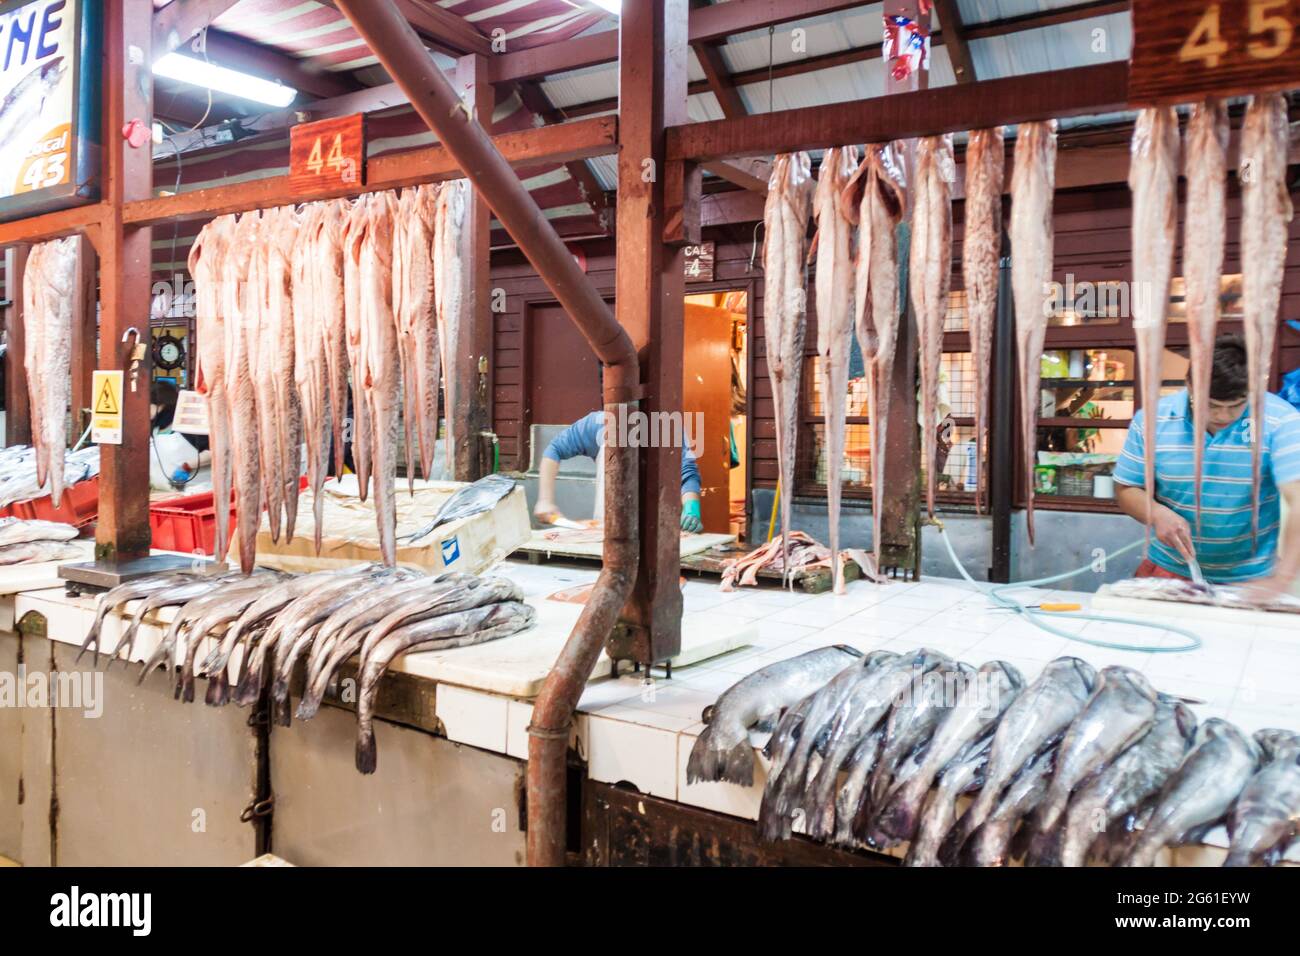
x: 710, y: 763
x: 367, y: 757
x: 282, y: 711
x: 218, y: 690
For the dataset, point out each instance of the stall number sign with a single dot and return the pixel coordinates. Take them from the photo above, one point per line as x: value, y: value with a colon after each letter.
x: 1183, y: 49
x: 38, y: 47
x: 106, y: 414
x: 699, y: 262
x: 328, y: 153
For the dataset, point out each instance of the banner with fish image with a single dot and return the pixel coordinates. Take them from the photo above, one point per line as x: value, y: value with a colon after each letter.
x: 49, y: 110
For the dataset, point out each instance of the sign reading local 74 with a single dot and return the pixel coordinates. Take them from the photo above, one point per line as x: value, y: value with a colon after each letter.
x: 1185, y: 49
x: 48, y: 50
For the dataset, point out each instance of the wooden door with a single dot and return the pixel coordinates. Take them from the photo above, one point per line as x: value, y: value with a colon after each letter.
x: 706, y: 389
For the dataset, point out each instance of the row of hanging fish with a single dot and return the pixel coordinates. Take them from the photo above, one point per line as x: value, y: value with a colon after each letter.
x: 293, y: 306
x: 876, y: 751
x: 256, y: 627
x: 49, y: 291
x: 19, y: 478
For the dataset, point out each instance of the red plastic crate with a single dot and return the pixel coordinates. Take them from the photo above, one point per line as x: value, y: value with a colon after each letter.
x: 78, y: 507
x: 187, y: 523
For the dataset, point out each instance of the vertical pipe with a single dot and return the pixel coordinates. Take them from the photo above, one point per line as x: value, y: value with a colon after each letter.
x: 1001, y: 445
x: 391, y: 39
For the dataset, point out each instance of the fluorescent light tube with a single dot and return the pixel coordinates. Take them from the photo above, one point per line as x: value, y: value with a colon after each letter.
x: 187, y: 69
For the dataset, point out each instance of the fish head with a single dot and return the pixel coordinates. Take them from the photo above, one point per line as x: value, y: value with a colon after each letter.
x: 52, y: 72
x: 1118, y: 674
x: 1073, y: 669
x: 1277, y: 744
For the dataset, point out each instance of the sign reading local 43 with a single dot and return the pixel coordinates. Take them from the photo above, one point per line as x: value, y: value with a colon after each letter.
x: 49, y: 104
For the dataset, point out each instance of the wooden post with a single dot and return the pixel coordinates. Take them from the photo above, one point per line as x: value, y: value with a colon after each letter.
x: 649, y: 289
x: 18, y: 405
x: 900, y: 546
x: 473, y: 363
x: 84, y: 334
x: 126, y: 263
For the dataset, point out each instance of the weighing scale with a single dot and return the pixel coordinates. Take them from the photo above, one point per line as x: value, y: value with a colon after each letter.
x: 105, y: 575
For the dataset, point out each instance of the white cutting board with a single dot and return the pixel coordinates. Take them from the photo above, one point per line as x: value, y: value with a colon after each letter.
x: 516, y: 666
x: 1181, y: 613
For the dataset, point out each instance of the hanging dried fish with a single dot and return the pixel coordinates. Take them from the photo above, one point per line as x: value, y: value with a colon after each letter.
x: 1266, y: 212
x: 1153, y: 179
x: 981, y: 254
x: 1033, y: 182
x: 930, y: 277
x: 834, y: 286
x: 785, y: 224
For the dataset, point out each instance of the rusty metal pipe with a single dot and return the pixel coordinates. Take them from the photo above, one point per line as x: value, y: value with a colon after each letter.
x: 393, y: 41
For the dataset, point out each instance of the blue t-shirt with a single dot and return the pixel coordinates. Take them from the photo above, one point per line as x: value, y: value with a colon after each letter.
x: 585, y: 437
x: 1223, y: 546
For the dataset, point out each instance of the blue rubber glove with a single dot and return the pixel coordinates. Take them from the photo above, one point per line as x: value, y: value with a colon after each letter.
x: 691, y: 520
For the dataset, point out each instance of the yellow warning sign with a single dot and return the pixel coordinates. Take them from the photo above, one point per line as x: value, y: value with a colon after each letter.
x: 106, y: 417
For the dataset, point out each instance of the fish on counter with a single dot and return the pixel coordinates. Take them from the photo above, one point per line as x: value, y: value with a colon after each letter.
x: 23, y: 531
x: 1033, y: 722
x: 787, y: 555
x: 474, y: 625
x: 116, y: 599
x: 785, y: 319
x: 1265, y: 217
x: 1119, y: 790
x: 991, y: 842
x: 1200, y: 793
x: 475, y: 498
x: 1187, y: 592
x: 49, y: 282
x: 722, y: 751
x: 1153, y: 181
x: 36, y: 552
x: 1121, y: 711
x: 1033, y: 233
x: 981, y: 254
x: 930, y: 278
x: 833, y: 283
x: 1266, y: 817
x: 1205, y: 162
x: 963, y: 775
x: 978, y: 707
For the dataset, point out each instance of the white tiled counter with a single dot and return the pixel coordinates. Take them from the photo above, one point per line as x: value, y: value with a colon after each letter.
x: 640, y: 731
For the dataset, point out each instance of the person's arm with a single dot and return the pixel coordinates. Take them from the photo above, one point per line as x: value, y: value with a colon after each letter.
x: 1169, y: 526
x: 1287, y: 568
x: 692, y: 522
x: 580, y: 438
x: 546, y: 508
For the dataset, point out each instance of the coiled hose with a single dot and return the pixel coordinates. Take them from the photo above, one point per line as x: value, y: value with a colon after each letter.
x: 994, y: 593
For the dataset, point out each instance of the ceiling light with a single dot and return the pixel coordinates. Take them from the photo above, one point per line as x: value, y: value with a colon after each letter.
x: 220, y: 79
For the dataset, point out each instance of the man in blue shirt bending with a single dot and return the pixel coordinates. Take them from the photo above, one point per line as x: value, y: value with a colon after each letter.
x: 1223, y: 547
x: 586, y: 436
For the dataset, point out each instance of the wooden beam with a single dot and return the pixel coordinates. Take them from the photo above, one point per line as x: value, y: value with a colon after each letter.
x: 1059, y: 93
x: 716, y: 73
x: 18, y: 403
x: 248, y: 57
x: 954, y: 33
x: 444, y: 27
x: 52, y: 225
x: 473, y: 355
x: 179, y: 21
x: 649, y: 303
x: 748, y: 173
x: 546, y: 144
x: 733, y: 206
x: 126, y: 264
x: 535, y: 99
x: 1045, y: 18
x: 721, y: 20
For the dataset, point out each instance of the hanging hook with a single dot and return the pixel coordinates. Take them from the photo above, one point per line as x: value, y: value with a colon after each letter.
x: 131, y: 331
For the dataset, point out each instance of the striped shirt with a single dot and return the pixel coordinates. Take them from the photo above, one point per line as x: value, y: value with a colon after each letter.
x: 1223, y: 547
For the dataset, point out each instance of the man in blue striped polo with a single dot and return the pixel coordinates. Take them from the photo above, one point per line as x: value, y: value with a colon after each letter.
x: 1223, y: 547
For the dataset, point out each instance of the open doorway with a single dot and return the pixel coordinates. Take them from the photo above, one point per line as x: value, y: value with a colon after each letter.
x: 714, y: 364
